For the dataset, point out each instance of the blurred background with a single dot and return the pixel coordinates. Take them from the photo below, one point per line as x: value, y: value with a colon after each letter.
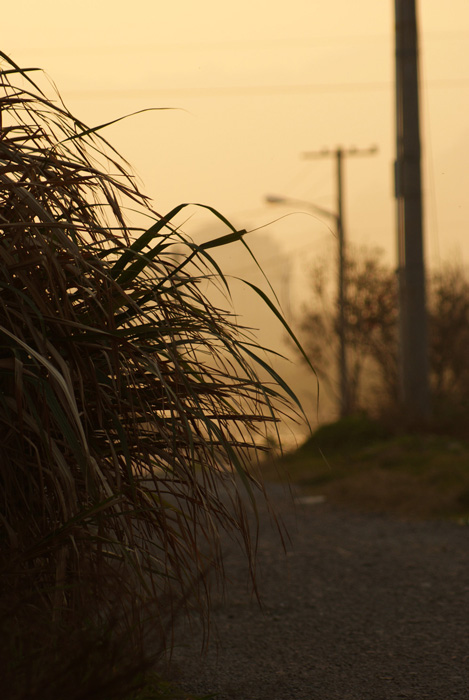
x: 253, y: 86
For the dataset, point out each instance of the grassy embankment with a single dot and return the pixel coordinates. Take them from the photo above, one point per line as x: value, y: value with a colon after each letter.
x: 360, y: 464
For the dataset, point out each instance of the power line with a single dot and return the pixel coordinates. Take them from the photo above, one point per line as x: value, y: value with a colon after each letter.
x: 224, y: 91
x: 252, y: 90
x: 310, y: 41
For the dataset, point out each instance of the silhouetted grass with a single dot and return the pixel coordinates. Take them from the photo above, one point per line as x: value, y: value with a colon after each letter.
x: 127, y: 399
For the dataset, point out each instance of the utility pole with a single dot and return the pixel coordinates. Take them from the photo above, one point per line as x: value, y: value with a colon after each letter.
x: 408, y: 192
x: 339, y: 154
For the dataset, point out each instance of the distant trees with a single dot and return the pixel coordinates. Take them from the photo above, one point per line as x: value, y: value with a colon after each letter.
x: 449, y: 343
x: 371, y: 315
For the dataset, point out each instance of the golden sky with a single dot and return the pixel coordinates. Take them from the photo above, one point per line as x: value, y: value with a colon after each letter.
x: 254, y: 84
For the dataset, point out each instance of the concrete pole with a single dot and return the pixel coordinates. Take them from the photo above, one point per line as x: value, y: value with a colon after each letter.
x: 411, y: 269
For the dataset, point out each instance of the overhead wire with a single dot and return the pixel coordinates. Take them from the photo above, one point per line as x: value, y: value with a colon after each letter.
x: 253, y: 90
x: 311, y: 41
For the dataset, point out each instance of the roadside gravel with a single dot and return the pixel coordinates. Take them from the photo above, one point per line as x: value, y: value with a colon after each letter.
x: 359, y: 607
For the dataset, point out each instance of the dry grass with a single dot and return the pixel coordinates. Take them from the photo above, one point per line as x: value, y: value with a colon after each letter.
x: 127, y: 399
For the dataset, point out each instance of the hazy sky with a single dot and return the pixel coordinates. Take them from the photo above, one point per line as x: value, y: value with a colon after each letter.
x: 255, y: 84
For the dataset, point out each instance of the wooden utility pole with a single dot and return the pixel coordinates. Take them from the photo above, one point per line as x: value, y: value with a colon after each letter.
x: 339, y: 154
x: 408, y: 190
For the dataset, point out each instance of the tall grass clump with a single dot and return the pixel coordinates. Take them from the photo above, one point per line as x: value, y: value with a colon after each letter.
x: 127, y: 399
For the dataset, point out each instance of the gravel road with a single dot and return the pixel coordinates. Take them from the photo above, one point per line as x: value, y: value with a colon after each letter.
x: 360, y: 607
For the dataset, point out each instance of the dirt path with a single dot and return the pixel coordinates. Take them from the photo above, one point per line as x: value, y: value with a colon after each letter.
x: 361, y: 607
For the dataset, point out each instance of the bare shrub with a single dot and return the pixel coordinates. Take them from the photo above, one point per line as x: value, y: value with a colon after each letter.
x: 371, y: 315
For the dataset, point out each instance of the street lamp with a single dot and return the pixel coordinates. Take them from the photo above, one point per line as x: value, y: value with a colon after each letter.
x: 277, y: 199
x: 337, y: 218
